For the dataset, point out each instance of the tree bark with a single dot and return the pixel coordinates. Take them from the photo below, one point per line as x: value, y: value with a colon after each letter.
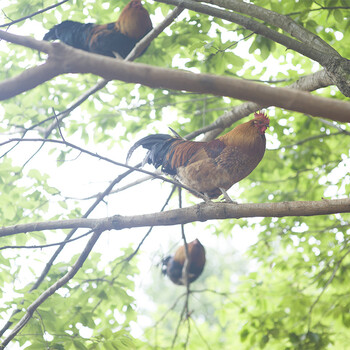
x: 200, y: 212
x: 64, y: 59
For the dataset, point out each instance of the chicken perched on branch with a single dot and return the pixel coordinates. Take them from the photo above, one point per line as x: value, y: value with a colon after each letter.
x: 209, y: 168
x: 173, y: 265
x: 118, y: 37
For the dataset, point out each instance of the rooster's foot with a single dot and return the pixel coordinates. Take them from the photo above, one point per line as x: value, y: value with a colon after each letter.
x: 226, y: 196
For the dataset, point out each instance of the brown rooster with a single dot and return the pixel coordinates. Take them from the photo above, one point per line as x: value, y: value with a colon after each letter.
x: 118, y: 37
x: 209, y: 168
x: 173, y: 265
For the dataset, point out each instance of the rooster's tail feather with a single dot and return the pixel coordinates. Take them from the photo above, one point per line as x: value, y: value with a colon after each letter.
x: 71, y: 33
x: 158, y: 146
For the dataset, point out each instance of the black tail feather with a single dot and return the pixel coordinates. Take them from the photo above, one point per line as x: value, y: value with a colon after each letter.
x: 71, y: 33
x: 158, y: 146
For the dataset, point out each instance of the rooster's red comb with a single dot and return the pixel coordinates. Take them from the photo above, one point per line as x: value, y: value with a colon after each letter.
x: 262, y: 116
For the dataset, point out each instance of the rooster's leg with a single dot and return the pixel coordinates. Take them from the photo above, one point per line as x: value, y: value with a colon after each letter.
x: 227, y: 197
x: 206, y: 198
x: 116, y: 55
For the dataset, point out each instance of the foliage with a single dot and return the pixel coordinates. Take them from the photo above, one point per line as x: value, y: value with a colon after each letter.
x: 290, y: 289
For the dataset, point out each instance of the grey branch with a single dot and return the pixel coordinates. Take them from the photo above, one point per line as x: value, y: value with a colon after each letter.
x: 310, y: 45
x: 309, y: 82
x: 277, y: 20
x: 64, y: 59
x: 256, y: 27
x: 52, y: 289
x: 200, y: 212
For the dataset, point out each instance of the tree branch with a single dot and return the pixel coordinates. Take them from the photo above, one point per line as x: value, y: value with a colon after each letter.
x: 33, y: 14
x: 26, y: 41
x: 52, y: 289
x: 256, y: 27
x: 337, y: 66
x: 276, y: 19
x: 60, y: 116
x: 201, y: 212
x: 44, y: 245
x: 67, y: 239
x: 309, y: 82
x: 64, y: 59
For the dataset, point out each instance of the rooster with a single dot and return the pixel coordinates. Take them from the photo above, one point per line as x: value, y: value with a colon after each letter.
x: 173, y: 265
x: 113, y: 39
x: 209, y: 168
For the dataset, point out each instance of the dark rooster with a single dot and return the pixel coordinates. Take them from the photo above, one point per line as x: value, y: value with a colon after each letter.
x: 209, y: 168
x: 173, y: 265
x: 118, y: 37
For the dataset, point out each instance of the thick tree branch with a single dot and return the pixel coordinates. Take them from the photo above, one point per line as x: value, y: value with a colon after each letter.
x: 64, y: 59
x: 26, y: 41
x: 278, y: 20
x: 29, y: 79
x: 337, y: 66
x: 200, y: 212
x: 256, y: 27
x: 309, y: 82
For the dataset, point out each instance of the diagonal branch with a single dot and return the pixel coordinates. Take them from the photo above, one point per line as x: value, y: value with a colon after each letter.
x: 60, y: 116
x: 329, y: 281
x: 52, y: 289
x: 256, y: 27
x: 33, y: 14
x: 277, y: 20
x: 67, y: 239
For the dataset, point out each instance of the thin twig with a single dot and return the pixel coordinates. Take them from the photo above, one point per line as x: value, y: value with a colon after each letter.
x: 336, y: 268
x: 52, y: 289
x: 32, y: 14
x: 185, y: 309
x: 44, y: 245
x: 172, y: 307
x: 202, y: 336
x: 119, y: 189
x: 155, y: 175
x: 48, y: 265
x: 311, y: 138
